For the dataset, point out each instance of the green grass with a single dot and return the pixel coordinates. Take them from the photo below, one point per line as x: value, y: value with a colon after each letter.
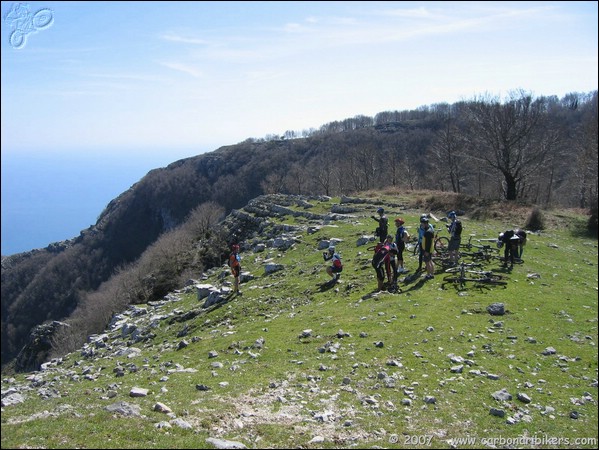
x: 343, y: 389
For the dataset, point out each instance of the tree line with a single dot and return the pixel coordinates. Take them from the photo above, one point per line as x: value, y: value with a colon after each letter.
x: 539, y: 150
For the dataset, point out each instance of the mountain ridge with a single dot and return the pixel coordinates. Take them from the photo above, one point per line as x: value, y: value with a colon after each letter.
x: 345, y: 157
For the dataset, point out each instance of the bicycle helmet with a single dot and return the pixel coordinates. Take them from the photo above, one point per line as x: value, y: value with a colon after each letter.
x: 451, y: 214
x: 500, y: 240
x: 235, y: 247
x: 332, y: 248
x: 399, y: 221
x: 380, y: 210
x: 423, y: 219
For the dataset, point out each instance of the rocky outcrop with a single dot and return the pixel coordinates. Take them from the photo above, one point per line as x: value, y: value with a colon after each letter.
x: 36, y: 351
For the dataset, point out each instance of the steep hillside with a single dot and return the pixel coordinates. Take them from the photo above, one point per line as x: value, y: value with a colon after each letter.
x: 48, y: 284
x: 295, y: 361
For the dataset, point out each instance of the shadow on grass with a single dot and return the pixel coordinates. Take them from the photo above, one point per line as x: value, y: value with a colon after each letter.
x: 413, y: 281
x: 327, y: 285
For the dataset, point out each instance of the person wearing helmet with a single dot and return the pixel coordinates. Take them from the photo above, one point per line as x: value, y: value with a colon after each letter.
x: 335, y: 269
x: 455, y: 231
x: 426, y: 247
x: 402, y: 237
x: 383, y: 228
x: 421, y: 229
x: 235, y: 265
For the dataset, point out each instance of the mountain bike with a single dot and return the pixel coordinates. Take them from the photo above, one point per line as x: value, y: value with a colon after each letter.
x: 479, y: 252
x: 440, y: 244
x: 470, y: 272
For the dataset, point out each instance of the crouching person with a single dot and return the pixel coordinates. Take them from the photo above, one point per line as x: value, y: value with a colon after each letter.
x: 335, y: 269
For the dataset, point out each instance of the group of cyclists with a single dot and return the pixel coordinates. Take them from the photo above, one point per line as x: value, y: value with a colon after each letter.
x: 388, y: 260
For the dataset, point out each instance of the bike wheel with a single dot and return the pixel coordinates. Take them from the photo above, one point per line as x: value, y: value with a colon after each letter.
x: 17, y: 39
x: 441, y: 244
x: 43, y: 19
x: 456, y: 280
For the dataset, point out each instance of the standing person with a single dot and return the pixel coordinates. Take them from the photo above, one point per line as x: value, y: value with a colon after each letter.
x: 427, y: 247
x: 235, y: 265
x: 402, y: 237
x: 335, y: 269
x: 383, y: 227
x: 380, y: 262
x: 391, y: 262
x: 423, y: 217
x: 455, y: 231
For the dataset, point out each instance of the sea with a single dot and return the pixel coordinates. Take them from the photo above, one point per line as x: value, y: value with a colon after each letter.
x: 51, y: 197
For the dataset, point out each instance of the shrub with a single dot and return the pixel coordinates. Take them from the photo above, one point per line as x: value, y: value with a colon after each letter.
x: 535, y: 221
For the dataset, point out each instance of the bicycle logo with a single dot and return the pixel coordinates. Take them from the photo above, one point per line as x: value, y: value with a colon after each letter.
x: 24, y: 22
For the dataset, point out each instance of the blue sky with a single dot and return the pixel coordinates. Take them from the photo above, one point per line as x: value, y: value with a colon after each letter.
x: 188, y: 77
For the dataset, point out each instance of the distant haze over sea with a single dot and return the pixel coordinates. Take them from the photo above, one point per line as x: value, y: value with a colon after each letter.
x: 50, y: 197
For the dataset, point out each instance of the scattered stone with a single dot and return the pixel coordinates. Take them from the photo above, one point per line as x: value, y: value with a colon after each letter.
x: 124, y: 408
x: 182, y: 424
x: 161, y: 407
x: 305, y: 334
x: 502, y: 395
x: 496, y: 309
x: 138, y: 392
x: 497, y: 412
x: 12, y: 399
x: 523, y: 398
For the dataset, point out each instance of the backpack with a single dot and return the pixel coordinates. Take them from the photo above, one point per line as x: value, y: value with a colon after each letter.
x: 458, y: 228
x: 379, y: 256
x: 233, y: 260
x: 406, y: 236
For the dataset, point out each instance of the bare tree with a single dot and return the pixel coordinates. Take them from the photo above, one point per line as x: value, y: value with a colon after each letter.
x: 505, y: 135
x: 297, y: 178
x: 204, y: 217
x: 321, y: 171
x: 587, y: 148
x: 448, y: 154
x: 273, y: 183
